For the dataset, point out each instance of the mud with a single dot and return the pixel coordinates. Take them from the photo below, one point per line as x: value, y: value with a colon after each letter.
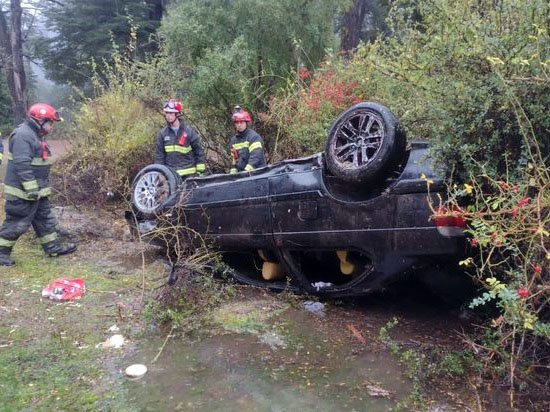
x: 80, y: 226
x: 289, y: 362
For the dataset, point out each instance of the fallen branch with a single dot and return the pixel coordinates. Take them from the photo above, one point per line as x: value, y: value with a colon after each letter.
x: 164, y: 344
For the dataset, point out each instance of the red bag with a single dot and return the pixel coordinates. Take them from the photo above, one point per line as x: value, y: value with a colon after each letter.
x: 64, y: 289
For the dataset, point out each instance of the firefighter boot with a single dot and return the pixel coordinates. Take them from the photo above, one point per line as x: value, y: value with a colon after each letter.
x: 57, y: 249
x: 5, y: 259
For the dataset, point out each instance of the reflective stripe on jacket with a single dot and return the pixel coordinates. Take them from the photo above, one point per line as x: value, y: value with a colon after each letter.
x: 28, y: 169
x: 247, y: 150
x: 183, y: 154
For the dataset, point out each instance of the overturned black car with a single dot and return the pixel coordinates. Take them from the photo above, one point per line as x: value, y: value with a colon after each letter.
x: 348, y: 221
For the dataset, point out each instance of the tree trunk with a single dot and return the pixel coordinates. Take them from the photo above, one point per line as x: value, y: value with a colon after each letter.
x: 19, y: 79
x: 12, y: 59
x: 352, y: 22
x: 156, y: 9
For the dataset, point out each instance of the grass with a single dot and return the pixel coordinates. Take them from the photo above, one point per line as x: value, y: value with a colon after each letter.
x: 428, y: 366
x: 249, y: 317
x: 48, y: 355
x: 48, y: 373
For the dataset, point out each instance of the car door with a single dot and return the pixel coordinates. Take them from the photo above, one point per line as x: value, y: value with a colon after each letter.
x: 234, y: 213
x: 297, y: 208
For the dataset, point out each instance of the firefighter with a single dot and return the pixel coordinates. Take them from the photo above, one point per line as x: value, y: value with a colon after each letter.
x: 177, y: 145
x: 246, y: 146
x: 1, y: 149
x: 27, y: 187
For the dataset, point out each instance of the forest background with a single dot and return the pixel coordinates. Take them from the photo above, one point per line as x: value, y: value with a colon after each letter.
x: 469, y: 76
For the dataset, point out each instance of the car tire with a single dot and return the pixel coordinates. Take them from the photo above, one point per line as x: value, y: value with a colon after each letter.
x: 364, y: 142
x: 151, y: 187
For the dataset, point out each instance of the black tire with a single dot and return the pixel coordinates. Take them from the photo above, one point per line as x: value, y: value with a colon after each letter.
x: 364, y: 142
x: 151, y: 187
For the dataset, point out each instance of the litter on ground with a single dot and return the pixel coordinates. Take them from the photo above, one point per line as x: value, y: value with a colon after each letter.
x: 136, y: 371
x: 64, y: 289
x: 115, y: 341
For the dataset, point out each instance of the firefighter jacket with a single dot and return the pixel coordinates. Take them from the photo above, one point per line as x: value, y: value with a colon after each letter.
x: 181, y: 152
x: 29, y: 163
x: 247, y: 151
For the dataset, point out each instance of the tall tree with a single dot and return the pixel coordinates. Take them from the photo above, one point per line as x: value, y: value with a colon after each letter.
x: 352, y: 24
x: 84, y: 30
x: 361, y: 20
x: 156, y: 9
x: 12, y: 57
x: 238, y: 50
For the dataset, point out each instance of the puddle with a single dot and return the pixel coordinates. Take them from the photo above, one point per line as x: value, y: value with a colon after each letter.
x: 262, y: 354
x: 296, y: 364
x: 232, y: 373
x: 259, y: 353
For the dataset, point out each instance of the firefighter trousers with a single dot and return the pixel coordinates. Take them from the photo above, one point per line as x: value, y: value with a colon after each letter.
x: 21, y: 214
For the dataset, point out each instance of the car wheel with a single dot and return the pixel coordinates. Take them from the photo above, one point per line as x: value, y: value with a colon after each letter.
x: 364, y: 142
x: 152, y: 186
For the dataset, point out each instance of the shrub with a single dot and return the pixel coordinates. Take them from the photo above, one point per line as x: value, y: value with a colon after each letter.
x: 304, y: 111
x: 437, y: 73
x: 112, y: 135
x: 510, y: 230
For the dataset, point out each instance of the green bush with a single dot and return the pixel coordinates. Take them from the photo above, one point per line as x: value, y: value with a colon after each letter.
x: 436, y: 73
x: 241, y: 52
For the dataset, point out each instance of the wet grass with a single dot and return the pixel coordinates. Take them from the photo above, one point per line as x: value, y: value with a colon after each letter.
x: 48, y: 355
x: 429, y: 367
x: 48, y: 373
x: 250, y: 317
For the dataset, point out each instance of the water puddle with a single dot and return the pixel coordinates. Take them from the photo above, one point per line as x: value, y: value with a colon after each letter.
x: 288, y: 361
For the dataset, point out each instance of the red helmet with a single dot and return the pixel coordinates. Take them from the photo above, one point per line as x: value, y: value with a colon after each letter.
x: 172, y: 106
x: 240, y: 115
x: 43, y: 111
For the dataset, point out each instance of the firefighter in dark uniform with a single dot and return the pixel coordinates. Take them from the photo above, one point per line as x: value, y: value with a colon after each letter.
x: 27, y: 186
x: 246, y: 146
x: 177, y: 145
